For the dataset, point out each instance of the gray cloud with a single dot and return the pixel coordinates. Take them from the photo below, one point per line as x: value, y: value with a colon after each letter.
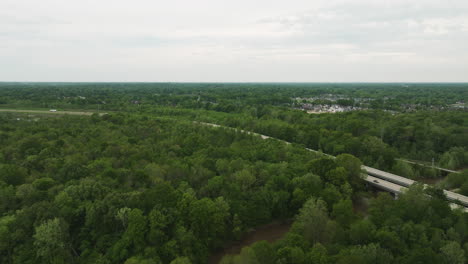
x: 209, y: 40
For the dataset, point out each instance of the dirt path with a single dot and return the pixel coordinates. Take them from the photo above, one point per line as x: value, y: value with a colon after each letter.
x: 420, y: 163
x: 270, y: 232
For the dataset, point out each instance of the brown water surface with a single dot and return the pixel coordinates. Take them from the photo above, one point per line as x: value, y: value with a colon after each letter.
x: 430, y: 181
x: 270, y: 232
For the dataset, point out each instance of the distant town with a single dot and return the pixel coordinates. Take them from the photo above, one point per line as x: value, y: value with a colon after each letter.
x: 328, y: 103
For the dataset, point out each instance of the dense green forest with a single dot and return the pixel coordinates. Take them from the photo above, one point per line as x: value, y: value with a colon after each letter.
x: 412, y: 229
x: 384, y: 130
x: 229, y: 97
x: 147, y: 182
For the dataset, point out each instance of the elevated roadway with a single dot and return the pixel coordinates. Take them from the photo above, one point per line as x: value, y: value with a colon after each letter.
x: 381, y: 179
x: 398, y: 189
x: 451, y: 196
x: 389, y: 176
x: 384, y: 185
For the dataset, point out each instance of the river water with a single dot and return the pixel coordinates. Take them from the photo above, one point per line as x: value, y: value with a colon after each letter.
x: 270, y: 232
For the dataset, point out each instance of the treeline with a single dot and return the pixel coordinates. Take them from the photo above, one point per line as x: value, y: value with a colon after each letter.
x: 376, y: 137
x: 228, y: 97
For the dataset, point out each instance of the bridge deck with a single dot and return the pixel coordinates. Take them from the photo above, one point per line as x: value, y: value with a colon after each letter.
x: 385, y: 185
x: 383, y: 180
x: 397, y: 189
x: 456, y: 197
x: 389, y: 176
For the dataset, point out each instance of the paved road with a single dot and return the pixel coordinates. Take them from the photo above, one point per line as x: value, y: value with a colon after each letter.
x: 397, y: 189
x: 427, y: 166
x: 384, y: 180
x: 390, y: 182
x: 389, y: 176
x: 240, y: 130
x: 407, y: 182
x: 456, y: 197
x: 49, y: 112
x: 384, y: 185
x: 260, y: 135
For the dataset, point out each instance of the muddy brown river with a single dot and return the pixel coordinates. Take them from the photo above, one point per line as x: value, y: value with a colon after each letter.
x: 270, y: 232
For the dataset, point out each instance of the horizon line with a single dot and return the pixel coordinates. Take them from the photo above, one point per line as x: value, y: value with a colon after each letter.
x: 235, y: 82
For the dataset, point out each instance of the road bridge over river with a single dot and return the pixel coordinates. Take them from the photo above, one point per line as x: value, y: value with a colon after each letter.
x: 380, y: 179
x: 405, y: 182
x: 398, y: 189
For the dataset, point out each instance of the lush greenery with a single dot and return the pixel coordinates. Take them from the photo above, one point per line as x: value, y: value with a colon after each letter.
x: 149, y: 182
x: 106, y: 189
x: 432, y: 130
x: 413, y: 229
x: 229, y: 97
x: 457, y: 181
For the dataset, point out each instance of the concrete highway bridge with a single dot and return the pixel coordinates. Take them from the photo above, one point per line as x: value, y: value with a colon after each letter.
x: 382, y: 180
x: 396, y: 185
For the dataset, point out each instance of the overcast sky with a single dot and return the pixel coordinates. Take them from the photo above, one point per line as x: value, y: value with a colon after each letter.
x: 235, y: 41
